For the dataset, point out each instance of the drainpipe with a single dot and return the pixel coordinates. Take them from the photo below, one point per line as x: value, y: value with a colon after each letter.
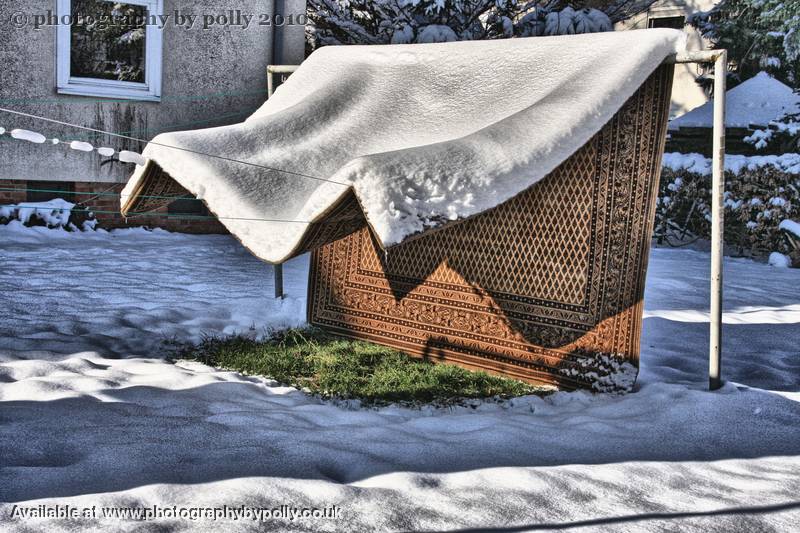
x: 274, y: 55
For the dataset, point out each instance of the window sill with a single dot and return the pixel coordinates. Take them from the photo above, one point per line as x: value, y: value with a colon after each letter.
x: 114, y: 94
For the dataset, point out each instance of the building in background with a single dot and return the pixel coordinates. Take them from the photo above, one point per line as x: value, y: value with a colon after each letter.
x: 686, y: 93
x: 750, y: 106
x: 197, y: 66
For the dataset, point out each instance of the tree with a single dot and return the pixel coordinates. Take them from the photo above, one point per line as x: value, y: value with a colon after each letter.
x: 758, y: 34
x: 333, y: 22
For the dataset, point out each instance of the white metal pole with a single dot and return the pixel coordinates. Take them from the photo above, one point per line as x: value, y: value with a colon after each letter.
x: 717, y: 213
x: 720, y: 60
x: 277, y: 69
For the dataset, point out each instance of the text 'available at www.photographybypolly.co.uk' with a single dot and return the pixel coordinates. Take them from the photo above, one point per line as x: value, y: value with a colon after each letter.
x: 286, y: 513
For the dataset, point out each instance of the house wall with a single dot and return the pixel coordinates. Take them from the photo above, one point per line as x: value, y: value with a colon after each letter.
x: 686, y: 94
x: 210, y: 78
x: 100, y: 198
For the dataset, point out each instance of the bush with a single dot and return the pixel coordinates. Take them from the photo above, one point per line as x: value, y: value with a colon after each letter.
x: 760, y: 192
x: 52, y: 214
x: 337, y: 22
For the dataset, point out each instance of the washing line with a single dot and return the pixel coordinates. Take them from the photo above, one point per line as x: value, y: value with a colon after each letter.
x: 165, y: 128
x: 131, y: 157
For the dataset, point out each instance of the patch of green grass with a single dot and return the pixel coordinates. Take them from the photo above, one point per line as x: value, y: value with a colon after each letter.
x: 333, y: 367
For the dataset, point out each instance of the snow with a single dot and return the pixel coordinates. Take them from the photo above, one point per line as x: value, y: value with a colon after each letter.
x: 757, y: 101
x: 81, y: 146
x: 132, y: 157
x: 759, y: 138
x: 403, y: 35
x: 421, y: 132
x: 791, y: 226
x: 699, y: 164
x: 780, y: 260
x: 591, y: 20
x: 105, y: 152
x: 54, y: 213
x: 105, y: 290
x: 92, y: 415
x: 569, y: 21
x: 30, y: 136
x: 435, y: 33
x: 560, y: 22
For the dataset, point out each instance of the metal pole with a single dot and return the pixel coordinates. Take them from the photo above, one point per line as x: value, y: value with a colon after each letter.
x: 270, y: 84
x: 720, y: 60
x: 271, y: 70
x: 277, y: 69
x: 717, y: 214
x: 278, y: 280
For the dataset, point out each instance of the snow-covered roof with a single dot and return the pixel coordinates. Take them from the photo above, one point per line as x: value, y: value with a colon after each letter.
x: 756, y: 101
x: 423, y: 134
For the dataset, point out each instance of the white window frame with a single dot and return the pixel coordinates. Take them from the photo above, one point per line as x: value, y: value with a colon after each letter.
x: 150, y: 90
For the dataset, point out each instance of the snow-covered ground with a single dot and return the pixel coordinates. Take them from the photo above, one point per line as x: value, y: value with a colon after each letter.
x: 91, y: 416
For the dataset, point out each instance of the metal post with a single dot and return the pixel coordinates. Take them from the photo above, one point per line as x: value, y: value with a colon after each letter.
x: 278, y: 280
x: 286, y: 70
x: 277, y: 69
x: 717, y: 213
x: 720, y: 60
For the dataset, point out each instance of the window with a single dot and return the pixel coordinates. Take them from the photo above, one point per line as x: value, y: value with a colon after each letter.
x: 676, y: 23
x: 110, y: 49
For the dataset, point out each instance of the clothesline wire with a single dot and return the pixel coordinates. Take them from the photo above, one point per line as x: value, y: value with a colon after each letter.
x: 197, y: 152
x: 162, y: 129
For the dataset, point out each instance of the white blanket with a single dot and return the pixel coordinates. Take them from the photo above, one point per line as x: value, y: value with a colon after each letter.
x: 424, y: 133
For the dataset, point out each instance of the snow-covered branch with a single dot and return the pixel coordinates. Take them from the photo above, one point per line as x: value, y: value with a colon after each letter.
x: 425, y: 21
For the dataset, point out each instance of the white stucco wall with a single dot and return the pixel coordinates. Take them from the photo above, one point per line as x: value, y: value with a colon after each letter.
x: 211, y: 77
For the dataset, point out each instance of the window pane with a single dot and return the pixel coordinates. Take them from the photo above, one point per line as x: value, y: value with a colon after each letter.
x: 677, y: 22
x: 108, y: 40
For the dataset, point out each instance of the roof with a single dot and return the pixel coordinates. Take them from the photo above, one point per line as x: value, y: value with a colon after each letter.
x: 421, y: 134
x: 756, y: 102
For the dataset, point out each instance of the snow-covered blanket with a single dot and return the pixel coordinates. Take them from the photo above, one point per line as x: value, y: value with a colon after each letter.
x: 424, y: 133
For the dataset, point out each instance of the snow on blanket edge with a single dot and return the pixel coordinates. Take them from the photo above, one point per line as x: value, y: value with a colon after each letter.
x: 480, y: 122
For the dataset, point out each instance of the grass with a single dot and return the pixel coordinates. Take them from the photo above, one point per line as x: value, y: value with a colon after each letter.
x: 332, y: 367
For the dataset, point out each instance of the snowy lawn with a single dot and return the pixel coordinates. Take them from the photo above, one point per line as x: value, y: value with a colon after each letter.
x: 90, y: 415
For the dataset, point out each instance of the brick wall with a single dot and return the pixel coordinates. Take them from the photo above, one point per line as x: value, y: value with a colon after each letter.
x: 104, y: 197
x: 12, y: 197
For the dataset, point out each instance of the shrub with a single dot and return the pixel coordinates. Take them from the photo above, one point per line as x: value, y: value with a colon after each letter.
x: 336, y: 22
x: 52, y: 214
x: 760, y: 192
